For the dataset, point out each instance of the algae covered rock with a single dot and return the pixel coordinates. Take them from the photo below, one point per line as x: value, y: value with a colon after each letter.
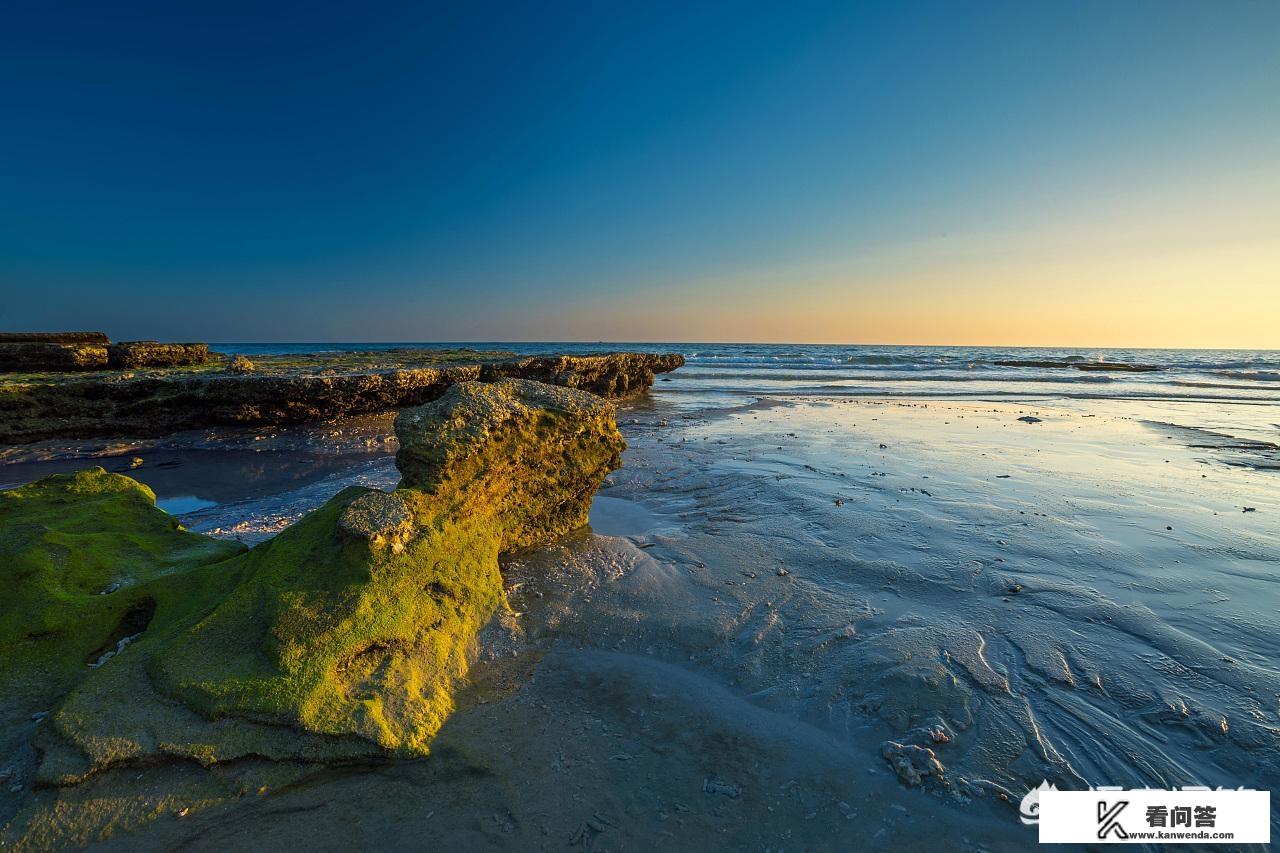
x: 34, y: 356
x: 241, y: 364
x: 87, y: 563
x: 343, y: 638
x: 616, y: 374
x: 268, y: 392
x: 528, y: 455
x: 340, y: 635
x: 130, y: 355
x: 357, y: 620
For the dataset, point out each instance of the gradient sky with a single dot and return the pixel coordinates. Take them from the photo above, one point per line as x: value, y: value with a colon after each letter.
x: 1057, y: 173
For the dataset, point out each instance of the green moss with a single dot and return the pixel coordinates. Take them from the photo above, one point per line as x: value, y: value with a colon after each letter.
x: 86, y: 561
x: 527, y: 455
x: 341, y: 636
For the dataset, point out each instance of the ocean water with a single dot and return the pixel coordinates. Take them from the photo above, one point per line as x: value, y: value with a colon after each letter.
x: 872, y: 371
x: 1245, y: 384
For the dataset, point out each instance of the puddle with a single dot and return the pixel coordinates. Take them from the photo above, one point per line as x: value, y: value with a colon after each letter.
x: 182, y: 504
x: 621, y: 517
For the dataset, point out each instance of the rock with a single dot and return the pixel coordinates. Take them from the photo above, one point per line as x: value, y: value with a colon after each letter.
x: 76, y: 351
x: 378, y: 518
x: 505, y: 430
x: 711, y: 785
x: 35, y: 357
x: 68, y: 538
x: 1029, y: 419
x: 343, y: 638
x: 619, y: 375
x: 240, y: 364
x: 128, y: 355
x: 912, y: 763
x: 161, y: 404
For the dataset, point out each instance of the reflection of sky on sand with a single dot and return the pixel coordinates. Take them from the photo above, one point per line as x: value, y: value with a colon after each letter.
x: 1081, y: 598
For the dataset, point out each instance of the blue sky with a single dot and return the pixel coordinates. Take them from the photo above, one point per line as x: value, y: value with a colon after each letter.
x: 1057, y: 173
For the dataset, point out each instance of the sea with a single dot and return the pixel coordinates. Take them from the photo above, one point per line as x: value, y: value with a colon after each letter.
x: 918, y: 371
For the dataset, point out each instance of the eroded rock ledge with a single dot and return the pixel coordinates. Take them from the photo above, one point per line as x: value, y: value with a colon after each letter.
x: 90, y: 351
x: 157, y: 404
x: 178, y: 671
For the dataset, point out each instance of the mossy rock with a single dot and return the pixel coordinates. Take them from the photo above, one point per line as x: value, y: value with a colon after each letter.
x: 345, y: 637
x: 528, y: 455
x: 88, y: 562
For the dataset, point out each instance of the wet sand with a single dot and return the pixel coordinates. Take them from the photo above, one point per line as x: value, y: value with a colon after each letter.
x: 781, y: 599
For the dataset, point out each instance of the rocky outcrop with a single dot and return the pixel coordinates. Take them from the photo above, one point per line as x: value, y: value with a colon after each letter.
x: 241, y: 364
x: 164, y: 403
x: 485, y: 444
x: 131, y: 355
x: 34, y: 357
x: 344, y: 638
x: 30, y: 352
x: 618, y: 375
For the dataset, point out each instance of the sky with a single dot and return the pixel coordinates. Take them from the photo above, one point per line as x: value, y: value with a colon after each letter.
x: 1050, y: 173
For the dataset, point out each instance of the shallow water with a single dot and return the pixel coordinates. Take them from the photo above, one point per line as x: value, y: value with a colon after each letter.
x: 786, y: 584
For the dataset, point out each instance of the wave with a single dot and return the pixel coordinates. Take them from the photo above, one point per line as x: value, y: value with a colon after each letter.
x: 1252, y: 375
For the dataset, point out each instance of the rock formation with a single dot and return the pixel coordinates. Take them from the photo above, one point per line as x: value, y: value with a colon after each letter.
x: 131, y: 355
x: 164, y: 403
x: 619, y: 374
x: 157, y: 651
x: 28, y: 352
x: 37, y: 356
